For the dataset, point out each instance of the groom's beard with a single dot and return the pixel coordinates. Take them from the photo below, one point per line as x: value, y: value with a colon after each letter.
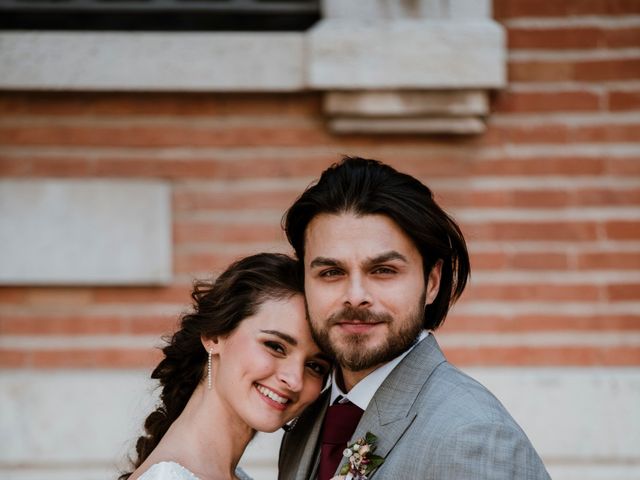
x: 357, y: 352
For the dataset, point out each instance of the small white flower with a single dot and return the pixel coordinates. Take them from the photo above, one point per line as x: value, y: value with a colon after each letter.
x: 355, y: 447
x: 347, y: 452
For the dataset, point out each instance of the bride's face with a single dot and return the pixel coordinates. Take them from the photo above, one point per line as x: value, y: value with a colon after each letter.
x: 269, y: 368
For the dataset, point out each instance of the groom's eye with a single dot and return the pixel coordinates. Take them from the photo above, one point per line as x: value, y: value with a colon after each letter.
x: 333, y: 272
x: 384, y: 271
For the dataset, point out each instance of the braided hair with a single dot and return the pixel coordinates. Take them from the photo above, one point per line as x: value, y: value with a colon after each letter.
x: 218, y: 308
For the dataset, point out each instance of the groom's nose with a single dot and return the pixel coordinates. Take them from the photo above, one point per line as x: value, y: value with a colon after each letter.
x: 356, y: 293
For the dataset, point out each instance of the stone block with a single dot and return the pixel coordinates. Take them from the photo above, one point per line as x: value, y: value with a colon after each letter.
x: 392, y: 9
x: 420, y: 125
x: 406, y: 103
x: 152, y: 61
x: 406, y: 54
x: 79, y: 232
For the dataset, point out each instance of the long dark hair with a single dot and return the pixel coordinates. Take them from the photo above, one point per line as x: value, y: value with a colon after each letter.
x: 366, y: 187
x: 218, y: 308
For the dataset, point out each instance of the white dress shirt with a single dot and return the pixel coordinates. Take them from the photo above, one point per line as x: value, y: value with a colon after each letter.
x: 363, y: 391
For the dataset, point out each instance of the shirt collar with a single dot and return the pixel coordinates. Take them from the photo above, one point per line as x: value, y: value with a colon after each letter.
x: 363, y: 391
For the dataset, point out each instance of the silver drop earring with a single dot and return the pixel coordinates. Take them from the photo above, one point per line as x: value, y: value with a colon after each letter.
x: 209, y: 369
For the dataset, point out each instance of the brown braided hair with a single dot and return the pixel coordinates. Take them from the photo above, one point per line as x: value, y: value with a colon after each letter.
x: 218, y: 308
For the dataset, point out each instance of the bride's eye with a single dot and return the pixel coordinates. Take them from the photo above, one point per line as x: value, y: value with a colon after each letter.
x: 318, y: 368
x: 275, y: 346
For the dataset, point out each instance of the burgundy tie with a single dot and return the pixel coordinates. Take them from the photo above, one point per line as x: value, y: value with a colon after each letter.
x: 339, y: 424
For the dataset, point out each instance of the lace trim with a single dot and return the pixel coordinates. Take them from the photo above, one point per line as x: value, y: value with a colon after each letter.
x: 177, y: 472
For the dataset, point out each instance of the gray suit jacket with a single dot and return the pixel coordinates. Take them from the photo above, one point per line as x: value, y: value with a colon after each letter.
x: 432, y: 422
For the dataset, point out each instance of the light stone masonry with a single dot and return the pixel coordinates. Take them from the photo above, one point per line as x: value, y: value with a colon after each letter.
x: 98, y: 232
x: 80, y: 424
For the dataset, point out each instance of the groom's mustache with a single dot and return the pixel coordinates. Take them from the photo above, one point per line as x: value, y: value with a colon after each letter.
x: 361, y: 315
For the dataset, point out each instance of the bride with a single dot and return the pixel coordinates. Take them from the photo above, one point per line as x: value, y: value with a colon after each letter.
x: 242, y: 361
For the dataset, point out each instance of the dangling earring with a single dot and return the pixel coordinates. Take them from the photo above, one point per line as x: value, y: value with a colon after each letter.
x: 287, y: 427
x: 209, y: 369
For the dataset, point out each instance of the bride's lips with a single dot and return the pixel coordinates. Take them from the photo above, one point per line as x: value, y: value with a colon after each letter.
x: 274, y: 398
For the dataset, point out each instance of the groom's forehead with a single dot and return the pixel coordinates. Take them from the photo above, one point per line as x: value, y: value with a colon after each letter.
x: 322, y: 225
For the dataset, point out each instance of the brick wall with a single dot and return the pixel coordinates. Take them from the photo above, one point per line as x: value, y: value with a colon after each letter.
x: 549, y: 199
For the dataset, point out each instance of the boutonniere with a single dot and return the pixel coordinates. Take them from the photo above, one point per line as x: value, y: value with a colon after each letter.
x: 362, y: 459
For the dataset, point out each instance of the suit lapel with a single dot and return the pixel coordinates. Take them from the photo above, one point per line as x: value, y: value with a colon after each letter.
x: 389, y: 413
x: 300, y: 446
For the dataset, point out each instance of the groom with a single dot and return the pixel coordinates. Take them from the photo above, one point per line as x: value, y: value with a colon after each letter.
x: 382, y: 265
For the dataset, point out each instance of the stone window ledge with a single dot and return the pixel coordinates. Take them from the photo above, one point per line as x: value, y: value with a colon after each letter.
x: 394, y: 76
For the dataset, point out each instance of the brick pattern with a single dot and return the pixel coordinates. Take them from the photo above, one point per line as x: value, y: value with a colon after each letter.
x: 549, y: 197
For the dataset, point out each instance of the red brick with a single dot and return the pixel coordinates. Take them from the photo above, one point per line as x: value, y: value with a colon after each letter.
x: 561, y: 71
x: 619, y: 132
x: 59, y: 297
x: 206, y: 263
x: 504, y: 9
x: 624, y: 100
x: 563, y: 133
x: 622, y: 37
x: 533, y: 231
x: 541, y: 323
x: 623, y: 166
x: 14, y: 359
x: 544, y: 165
x: 518, y: 133
x: 157, y: 325
x: 450, y: 199
x: 619, y: 260
x: 532, y: 292
x: 12, y: 295
x: 623, y: 230
x: 162, y: 135
x: 544, y: 356
x: 624, y: 292
x: 554, y: 38
x: 87, y: 324
x: 95, y: 358
x: 200, y: 200
x: 568, y: 101
x: 168, y: 104
x: 48, y: 324
x: 488, y: 260
x: 570, y: 37
x: 186, y: 232
x: 538, y: 261
x: 539, y: 198
x: 606, y: 196
x: 173, y: 294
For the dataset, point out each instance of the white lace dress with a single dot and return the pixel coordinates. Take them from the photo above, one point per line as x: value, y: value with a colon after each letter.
x: 175, y: 471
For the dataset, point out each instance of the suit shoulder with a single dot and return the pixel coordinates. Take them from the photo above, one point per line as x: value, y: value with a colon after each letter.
x: 458, y: 396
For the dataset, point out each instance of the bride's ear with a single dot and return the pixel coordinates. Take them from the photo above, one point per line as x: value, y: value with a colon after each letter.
x: 211, y: 344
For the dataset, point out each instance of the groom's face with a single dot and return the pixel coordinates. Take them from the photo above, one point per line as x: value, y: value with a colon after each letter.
x: 365, y: 288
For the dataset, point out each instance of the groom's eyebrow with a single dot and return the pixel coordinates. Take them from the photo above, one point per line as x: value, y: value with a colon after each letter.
x: 324, y: 262
x: 287, y: 338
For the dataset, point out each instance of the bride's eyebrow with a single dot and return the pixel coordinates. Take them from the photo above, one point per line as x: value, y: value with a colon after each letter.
x: 287, y: 338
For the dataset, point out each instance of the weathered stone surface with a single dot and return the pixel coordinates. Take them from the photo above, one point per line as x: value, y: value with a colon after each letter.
x: 406, y: 54
x: 152, y: 61
x: 406, y: 103
x: 430, y: 125
x: 588, y: 414
x: 68, y: 232
x: 393, y: 9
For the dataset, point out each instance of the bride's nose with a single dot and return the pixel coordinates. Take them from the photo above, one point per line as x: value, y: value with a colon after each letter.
x: 291, y: 374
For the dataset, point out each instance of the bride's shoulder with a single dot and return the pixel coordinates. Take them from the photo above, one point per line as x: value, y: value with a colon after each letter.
x: 167, y: 471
